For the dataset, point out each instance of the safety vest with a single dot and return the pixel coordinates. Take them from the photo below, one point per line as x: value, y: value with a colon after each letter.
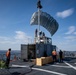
x: 8, y: 54
x: 54, y: 53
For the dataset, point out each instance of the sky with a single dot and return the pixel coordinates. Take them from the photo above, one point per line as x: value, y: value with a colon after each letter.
x: 15, y: 28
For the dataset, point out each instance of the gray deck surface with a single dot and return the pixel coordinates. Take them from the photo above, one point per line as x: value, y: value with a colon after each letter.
x: 28, y: 68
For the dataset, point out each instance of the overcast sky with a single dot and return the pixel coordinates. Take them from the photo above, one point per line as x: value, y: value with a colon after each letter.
x: 15, y: 28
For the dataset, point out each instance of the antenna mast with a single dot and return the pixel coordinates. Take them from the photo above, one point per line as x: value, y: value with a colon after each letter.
x: 39, y: 6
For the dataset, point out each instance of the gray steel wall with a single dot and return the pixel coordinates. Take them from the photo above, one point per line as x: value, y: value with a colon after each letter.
x: 41, y: 48
x: 24, y: 51
x: 49, y: 49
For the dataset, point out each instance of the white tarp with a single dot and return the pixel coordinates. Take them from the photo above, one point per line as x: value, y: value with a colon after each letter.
x: 46, y: 21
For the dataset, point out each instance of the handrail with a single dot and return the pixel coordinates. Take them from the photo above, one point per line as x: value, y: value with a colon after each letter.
x: 13, y: 55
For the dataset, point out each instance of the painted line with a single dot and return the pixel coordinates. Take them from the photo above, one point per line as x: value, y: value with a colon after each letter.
x: 19, y: 66
x: 57, y: 63
x: 60, y: 66
x: 74, y: 63
x: 70, y: 65
x: 48, y: 71
x: 40, y: 70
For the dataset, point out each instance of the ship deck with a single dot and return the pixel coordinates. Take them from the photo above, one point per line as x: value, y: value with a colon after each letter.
x: 68, y: 67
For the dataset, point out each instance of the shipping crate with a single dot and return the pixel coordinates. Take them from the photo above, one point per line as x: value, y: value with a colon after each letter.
x: 43, y: 60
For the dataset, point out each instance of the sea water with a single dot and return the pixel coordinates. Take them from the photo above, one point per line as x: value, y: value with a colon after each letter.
x: 16, y: 53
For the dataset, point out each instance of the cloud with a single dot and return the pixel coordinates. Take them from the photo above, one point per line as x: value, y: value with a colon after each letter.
x: 15, y: 41
x: 21, y: 36
x: 4, y: 38
x: 65, y: 13
x: 71, y: 30
x: 70, y: 37
x: 74, y: 32
x: 71, y: 34
x: 70, y: 40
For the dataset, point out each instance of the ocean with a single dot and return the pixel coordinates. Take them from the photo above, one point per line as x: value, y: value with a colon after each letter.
x: 16, y: 53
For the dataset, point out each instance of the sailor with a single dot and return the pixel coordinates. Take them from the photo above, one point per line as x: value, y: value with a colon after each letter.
x: 40, y: 33
x: 36, y: 32
x: 54, y: 54
x: 43, y: 34
x: 8, y: 54
x: 61, y: 56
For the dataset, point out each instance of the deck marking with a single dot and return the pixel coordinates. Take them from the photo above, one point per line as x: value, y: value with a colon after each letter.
x: 57, y: 63
x: 40, y: 70
x: 60, y: 66
x: 49, y: 71
x: 70, y: 65
x: 19, y: 66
